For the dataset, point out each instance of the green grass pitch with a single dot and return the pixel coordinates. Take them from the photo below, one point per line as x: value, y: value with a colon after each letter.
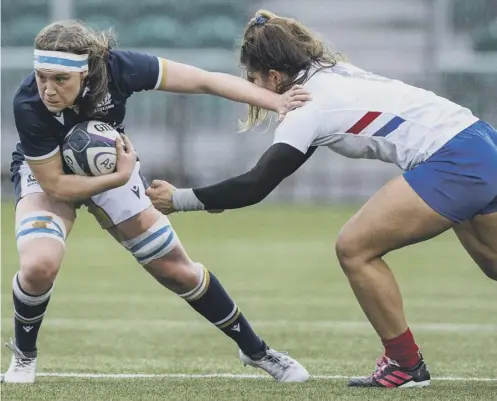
x: 108, y: 317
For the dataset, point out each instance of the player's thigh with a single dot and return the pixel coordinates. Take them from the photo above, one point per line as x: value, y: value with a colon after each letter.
x: 150, y: 237
x: 129, y: 216
x: 396, y: 216
x: 453, y: 185
x: 479, y: 237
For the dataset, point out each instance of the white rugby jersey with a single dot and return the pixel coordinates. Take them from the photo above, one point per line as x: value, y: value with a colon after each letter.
x: 361, y: 115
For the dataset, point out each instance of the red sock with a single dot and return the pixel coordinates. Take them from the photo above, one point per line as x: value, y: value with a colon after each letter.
x: 403, y: 350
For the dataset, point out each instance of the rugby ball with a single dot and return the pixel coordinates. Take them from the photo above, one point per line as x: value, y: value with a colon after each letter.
x: 89, y: 148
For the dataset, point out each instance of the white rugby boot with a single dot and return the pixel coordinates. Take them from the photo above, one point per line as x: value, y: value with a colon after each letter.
x: 22, y: 367
x: 279, y: 365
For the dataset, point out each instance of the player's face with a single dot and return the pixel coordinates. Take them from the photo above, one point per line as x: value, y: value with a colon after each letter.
x: 58, y: 90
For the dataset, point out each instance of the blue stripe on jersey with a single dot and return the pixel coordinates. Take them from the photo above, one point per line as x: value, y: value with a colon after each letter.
x: 390, y: 126
x: 61, y: 61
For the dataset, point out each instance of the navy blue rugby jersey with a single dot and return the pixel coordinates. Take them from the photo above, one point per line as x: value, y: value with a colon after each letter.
x: 41, y: 132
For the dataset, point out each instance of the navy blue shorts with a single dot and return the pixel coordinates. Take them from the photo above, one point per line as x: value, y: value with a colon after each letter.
x: 459, y: 181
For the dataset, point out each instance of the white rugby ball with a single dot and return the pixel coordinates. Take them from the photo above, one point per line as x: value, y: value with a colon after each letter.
x: 89, y: 148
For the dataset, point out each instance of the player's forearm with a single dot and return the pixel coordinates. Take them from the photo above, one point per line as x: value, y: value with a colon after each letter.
x: 277, y: 163
x: 73, y: 188
x: 234, y: 193
x: 240, y: 90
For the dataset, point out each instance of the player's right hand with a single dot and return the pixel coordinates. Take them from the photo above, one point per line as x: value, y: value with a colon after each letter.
x: 161, y: 194
x: 292, y: 99
x: 126, y: 159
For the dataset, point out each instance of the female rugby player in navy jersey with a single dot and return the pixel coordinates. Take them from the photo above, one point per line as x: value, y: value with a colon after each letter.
x: 77, y: 77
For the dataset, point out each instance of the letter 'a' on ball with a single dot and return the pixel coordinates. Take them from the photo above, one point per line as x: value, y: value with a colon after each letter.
x: 89, y: 148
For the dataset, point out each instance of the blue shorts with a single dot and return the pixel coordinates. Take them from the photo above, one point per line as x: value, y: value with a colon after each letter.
x: 459, y: 180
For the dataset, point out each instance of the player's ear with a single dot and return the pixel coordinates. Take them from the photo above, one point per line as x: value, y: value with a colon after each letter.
x: 275, y: 77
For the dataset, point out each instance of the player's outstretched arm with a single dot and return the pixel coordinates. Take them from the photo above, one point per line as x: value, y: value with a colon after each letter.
x: 277, y: 163
x: 183, y: 78
x: 291, y: 148
x: 70, y: 188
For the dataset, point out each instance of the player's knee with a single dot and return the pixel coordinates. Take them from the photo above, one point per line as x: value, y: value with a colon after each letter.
x: 39, y: 269
x: 41, y: 239
x: 348, y: 252
x: 179, y: 276
x: 182, y: 275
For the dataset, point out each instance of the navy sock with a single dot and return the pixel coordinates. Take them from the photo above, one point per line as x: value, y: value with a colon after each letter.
x: 29, y: 311
x: 212, y: 301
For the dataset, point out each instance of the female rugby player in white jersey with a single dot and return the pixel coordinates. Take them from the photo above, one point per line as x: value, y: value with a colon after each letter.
x: 77, y: 77
x: 449, y: 159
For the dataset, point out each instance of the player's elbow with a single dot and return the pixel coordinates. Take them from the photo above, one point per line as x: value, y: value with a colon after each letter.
x: 200, y: 82
x: 62, y: 195
x: 56, y: 193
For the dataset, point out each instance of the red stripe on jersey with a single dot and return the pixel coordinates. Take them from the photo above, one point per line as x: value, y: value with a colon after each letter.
x: 366, y: 119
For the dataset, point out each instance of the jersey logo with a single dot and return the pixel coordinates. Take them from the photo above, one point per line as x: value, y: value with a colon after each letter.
x: 31, y: 180
x: 59, y: 117
x: 106, y: 104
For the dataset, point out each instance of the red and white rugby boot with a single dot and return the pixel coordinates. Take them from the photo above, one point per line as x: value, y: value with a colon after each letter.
x: 389, y: 374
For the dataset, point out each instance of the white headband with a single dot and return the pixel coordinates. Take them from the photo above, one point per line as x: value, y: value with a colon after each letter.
x: 62, y: 61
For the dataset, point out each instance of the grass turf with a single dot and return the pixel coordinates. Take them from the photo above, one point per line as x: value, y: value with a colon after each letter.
x: 108, y: 316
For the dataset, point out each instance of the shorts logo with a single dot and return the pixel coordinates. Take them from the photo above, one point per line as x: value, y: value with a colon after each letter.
x: 136, y: 191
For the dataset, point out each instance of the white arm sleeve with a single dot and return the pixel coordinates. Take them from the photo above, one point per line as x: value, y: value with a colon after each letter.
x: 299, y: 128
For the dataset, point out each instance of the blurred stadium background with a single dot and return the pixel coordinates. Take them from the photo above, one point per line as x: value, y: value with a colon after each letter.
x: 449, y: 46
x: 277, y: 260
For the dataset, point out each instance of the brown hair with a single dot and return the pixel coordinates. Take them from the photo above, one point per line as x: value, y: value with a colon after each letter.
x: 76, y: 37
x: 271, y: 42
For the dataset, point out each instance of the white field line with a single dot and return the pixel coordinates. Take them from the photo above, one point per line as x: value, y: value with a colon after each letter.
x: 222, y: 376
x: 164, y: 324
x: 450, y: 303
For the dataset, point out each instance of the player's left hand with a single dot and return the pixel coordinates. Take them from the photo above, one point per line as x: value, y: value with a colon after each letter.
x: 292, y: 99
x: 161, y: 194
